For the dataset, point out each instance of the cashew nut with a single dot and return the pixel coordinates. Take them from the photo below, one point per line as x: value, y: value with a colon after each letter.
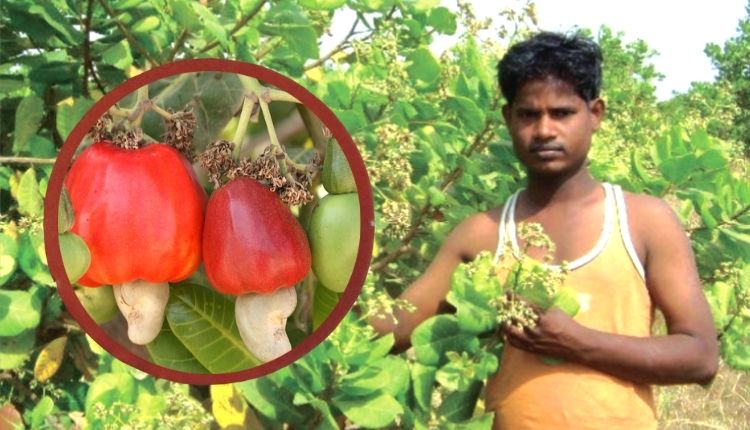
x: 261, y: 319
x: 142, y: 304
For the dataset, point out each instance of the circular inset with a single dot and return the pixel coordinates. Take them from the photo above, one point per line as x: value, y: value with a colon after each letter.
x: 171, y: 204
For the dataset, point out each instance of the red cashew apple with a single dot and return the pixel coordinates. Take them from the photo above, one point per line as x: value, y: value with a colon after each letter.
x: 140, y: 212
x: 253, y: 247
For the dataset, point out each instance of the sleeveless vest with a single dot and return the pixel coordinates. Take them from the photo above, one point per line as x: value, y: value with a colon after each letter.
x: 529, y: 394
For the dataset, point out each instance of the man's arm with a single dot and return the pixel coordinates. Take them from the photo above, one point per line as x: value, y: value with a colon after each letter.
x: 689, y: 351
x: 475, y: 234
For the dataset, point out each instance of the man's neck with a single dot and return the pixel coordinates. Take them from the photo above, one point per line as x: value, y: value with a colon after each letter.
x: 546, y: 190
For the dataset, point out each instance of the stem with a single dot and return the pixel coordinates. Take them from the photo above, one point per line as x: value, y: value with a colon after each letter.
x: 281, y: 96
x: 154, y: 107
x: 178, y: 44
x: 730, y: 221
x: 87, y: 48
x: 141, y: 104
x: 247, y: 109
x: 27, y: 160
x: 263, y: 102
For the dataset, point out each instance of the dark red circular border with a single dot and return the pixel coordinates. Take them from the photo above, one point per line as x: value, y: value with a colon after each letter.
x: 64, y: 160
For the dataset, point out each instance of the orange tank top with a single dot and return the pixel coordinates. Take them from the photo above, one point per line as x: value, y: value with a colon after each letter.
x: 529, y: 394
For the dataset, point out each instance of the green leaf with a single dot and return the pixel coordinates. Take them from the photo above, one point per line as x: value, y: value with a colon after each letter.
x: 324, y: 411
x: 712, y: 159
x: 423, y: 379
x: 5, y: 174
x: 459, y: 405
x: 29, y: 114
x: 358, y: 353
x: 118, y: 55
x: 8, y: 254
x: 676, y: 169
x: 481, y: 422
x: 272, y: 396
x: 467, y: 112
x: 211, y: 22
x: 324, y: 300
x: 9, y: 85
x: 30, y: 200
x: 289, y: 21
x: 145, y: 25
x: 389, y: 375
x: 19, y: 311
x: 109, y: 388
x: 421, y: 5
x: 15, y: 350
x: 185, y: 15
x: 69, y: 115
x: 375, y: 411
x: 52, y: 16
x: 424, y: 66
x: 566, y: 299
x: 438, y: 335
x: 30, y: 259
x: 41, y: 411
x: 217, y: 97
x: 735, y: 345
x: 442, y: 20
x: 54, y: 72
x: 322, y: 4
x: 472, y: 296
x: 203, y: 321
x: 721, y: 298
x: 166, y: 350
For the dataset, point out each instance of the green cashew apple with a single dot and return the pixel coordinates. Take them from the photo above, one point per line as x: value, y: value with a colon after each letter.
x: 99, y: 302
x: 334, y: 239
x: 75, y: 255
x: 337, y: 176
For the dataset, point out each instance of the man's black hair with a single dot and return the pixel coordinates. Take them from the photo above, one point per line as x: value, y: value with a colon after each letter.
x: 571, y: 58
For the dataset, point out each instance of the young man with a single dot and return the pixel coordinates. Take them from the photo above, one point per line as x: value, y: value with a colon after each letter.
x: 627, y: 252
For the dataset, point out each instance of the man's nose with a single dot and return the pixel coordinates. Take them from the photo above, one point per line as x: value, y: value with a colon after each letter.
x: 545, y: 128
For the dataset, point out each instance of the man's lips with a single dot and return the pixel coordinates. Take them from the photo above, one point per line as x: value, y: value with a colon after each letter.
x: 547, y: 151
x: 545, y: 147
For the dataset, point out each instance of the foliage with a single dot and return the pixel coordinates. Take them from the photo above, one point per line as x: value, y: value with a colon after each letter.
x: 429, y: 128
x: 732, y: 63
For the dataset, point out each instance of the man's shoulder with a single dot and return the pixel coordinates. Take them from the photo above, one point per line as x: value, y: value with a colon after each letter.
x: 476, y: 233
x: 650, y: 217
x: 647, y: 208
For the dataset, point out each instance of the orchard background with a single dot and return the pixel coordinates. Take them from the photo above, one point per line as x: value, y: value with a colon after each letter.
x: 431, y: 133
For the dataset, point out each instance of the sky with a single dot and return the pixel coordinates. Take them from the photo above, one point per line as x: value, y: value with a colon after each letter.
x: 678, y: 30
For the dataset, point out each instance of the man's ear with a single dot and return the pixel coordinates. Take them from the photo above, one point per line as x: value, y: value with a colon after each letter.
x: 597, y: 109
x: 506, y: 113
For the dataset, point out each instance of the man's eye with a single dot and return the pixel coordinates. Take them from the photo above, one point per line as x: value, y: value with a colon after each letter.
x: 562, y: 113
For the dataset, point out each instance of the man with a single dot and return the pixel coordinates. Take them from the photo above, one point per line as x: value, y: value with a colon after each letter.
x: 628, y: 253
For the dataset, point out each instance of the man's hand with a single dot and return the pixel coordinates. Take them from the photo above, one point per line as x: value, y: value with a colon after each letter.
x: 556, y: 335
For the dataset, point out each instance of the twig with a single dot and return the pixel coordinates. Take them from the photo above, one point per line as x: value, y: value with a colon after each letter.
x: 479, y: 142
x: 178, y: 44
x: 269, y: 47
x: 87, y: 47
x: 240, y: 24
x: 27, y: 160
x: 248, y: 105
x: 731, y: 219
x: 133, y: 41
x: 340, y: 47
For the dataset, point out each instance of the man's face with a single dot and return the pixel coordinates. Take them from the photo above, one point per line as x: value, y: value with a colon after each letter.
x: 551, y: 126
